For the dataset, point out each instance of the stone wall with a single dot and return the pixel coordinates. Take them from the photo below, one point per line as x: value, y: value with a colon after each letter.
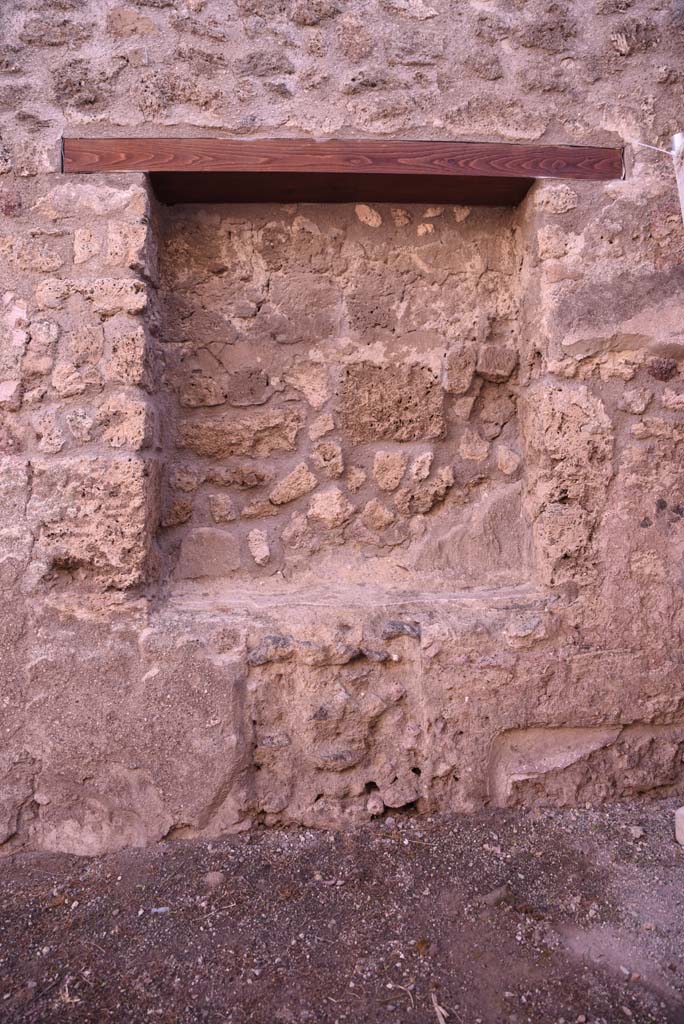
x: 513, y: 634
x: 342, y: 394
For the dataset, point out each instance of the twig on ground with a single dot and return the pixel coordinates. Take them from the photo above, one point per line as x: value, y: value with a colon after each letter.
x: 440, y: 1012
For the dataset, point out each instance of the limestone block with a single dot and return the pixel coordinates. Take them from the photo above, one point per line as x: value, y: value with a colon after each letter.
x: 377, y: 516
x: 257, y: 542
x: 40, y: 351
x: 507, y: 460
x: 126, y: 358
x: 111, y: 295
x: 245, y: 476
x: 296, y: 484
x: 11, y: 393
x: 673, y: 400
x: 127, y: 421
x: 69, y: 380
x: 473, y: 447
x: 496, y: 362
x: 330, y: 508
x: 398, y: 403
x: 459, y: 368
x: 260, y: 433
x: 388, y: 469
x: 421, y: 497
x: 421, y: 466
x: 80, y: 198
x: 321, y: 426
x: 14, y: 488
x: 258, y: 508
x: 175, y: 512
x: 312, y: 380
x: 49, y: 434
x: 368, y: 216
x: 185, y: 478
x: 86, y: 245
x: 81, y: 424
x: 82, y: 344
x: 95, y: 515
x: 222, y: 508
x: 635, y: 400
x: 197, y: 390
x: 327, y: 456
x: 126, y: 244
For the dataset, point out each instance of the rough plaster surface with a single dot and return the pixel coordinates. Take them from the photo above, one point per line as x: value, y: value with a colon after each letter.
x: 309, y: 512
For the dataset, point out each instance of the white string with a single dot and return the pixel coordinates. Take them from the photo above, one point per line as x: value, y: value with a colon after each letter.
x: 678, y: 161
x: 658, y: 149
x: 677, y: 156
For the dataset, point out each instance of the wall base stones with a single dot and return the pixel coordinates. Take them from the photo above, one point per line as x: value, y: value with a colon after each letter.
x: 322, y: 708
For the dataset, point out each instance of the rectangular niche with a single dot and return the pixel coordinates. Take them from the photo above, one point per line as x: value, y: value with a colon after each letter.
x: 340, y: 395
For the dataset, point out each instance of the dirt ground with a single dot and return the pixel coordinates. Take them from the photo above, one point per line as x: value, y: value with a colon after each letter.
x: 550, y: 916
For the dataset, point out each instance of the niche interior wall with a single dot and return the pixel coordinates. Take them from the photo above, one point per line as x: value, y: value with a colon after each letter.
x: 314, y: 511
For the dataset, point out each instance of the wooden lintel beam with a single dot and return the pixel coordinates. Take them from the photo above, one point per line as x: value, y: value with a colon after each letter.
x: 342, y: 156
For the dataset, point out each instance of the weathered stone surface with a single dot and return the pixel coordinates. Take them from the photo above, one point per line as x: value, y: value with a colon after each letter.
x: 259, y: 434
x: 176, y: 511
x: 496, y: 362
x: 377, y: 516
x: 330, y: 508
x: 296, y: 484
x: 321, y: 426
x: 421, y: 466
x: 423, y: 496
x: 459, y: 368
x: 127, y: 420
x: 388, y: 469
x: 94, y: 515
x: 398, y: 404
x: 327, y: 456
x: 473, y: 447
x: 570, y: 444
x: 312, y: 380
x: 208, y: 552
x: 199, y: 260
x: 507, y: 460
x: 199, y: 390
x: 127, y: 351
x: 222, y: 508
x: 556, y: 765
x: 259, y: 548
x: 10, y: 395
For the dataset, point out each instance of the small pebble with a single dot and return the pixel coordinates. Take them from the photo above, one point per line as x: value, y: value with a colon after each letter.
x: 214, y: 879
x: 679, y: 825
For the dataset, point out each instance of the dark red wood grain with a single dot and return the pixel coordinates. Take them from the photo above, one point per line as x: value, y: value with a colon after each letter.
x: 343, y: 170
x: 485, y: 159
